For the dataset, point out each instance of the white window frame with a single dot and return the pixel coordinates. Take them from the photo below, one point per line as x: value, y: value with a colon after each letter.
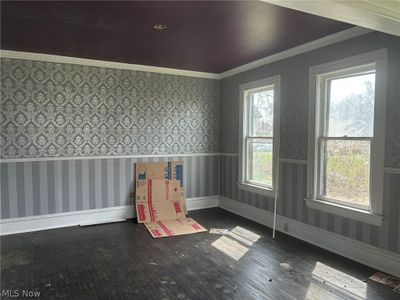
x: 376, y: 60
x: 244, y: 89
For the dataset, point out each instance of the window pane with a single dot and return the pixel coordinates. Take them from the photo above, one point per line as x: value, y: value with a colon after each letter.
x: 346, y: 167
x: 261, y: 113
x: 259, y: 166
x: 351, y: 106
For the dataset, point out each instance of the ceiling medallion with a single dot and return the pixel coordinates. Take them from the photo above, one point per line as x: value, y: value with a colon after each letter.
x: 160, y: 27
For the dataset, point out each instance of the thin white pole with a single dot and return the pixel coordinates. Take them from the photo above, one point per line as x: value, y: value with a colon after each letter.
x: 276, y: 192
x: 276, y: 200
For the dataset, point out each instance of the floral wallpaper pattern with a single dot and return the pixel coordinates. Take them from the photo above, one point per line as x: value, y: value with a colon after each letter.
x: 52, y: 109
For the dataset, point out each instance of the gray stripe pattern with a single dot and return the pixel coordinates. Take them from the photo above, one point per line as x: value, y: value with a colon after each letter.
x: 292, y: 205
x: 46, y: 187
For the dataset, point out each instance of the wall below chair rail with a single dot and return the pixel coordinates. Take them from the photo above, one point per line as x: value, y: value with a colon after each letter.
x: 49, y: 187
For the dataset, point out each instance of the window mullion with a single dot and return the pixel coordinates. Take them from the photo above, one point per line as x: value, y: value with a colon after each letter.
x: 347, y: 138
x: 260, y: 137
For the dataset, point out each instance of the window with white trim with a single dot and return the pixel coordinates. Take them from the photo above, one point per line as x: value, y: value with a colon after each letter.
x: 347, y: 136
x: 259, y: 110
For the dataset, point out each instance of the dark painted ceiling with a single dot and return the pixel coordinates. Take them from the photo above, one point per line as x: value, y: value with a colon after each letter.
x: 209, y: 36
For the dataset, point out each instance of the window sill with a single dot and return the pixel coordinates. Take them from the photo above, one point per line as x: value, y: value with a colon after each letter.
x: 345, y: 211
x: 256, y: 189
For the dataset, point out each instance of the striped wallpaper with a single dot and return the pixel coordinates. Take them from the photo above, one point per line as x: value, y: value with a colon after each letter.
x: 292, y: 205
x: 46, y: 187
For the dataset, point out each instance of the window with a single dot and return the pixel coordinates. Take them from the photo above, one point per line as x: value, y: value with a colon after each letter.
x: 347, y: 121
x: 259, y: 107
x: 345, y: 167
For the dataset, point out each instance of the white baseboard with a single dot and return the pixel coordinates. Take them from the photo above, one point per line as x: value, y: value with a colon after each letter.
x: 50, y: 221
x: 386, y: 261
x: 202, y: 202
x: 85, y: 217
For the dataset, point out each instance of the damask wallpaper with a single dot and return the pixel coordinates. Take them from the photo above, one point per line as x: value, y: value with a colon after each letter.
x: 51, y: 109
x: 294, y: 95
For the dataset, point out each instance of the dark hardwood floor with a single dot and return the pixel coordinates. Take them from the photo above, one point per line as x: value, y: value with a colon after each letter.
x: 122, y: 261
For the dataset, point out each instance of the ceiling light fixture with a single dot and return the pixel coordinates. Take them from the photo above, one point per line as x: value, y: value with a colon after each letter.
x: 160, y: 27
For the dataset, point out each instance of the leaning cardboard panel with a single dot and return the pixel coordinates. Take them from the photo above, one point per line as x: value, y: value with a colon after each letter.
x: 159, y: 200
x: 160, y: 170
x: 158, y: 190
x: 173, y: 227
x: 160, y: 210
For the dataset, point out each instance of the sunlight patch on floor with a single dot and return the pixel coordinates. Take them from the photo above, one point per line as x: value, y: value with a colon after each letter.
x: 240, y: 238
x: 235, y: 245
x: 316, y: 291
x: 230, y: 247
x: 339, y: 282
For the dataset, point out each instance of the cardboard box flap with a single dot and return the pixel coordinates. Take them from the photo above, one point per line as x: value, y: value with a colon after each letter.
x: 173, y: 227
x: 161, y: 210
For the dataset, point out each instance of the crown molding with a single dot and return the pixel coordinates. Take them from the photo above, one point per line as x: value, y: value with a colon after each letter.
x: 319, y: 43
x: 379, y: 15
x: 103, y: 64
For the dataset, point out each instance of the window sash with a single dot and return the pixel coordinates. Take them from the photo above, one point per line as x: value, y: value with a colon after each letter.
x: 248, y: 140
x: 347, y: 138
x: 320, y: 171
x: 259, y: 137
x: 249, y: 96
